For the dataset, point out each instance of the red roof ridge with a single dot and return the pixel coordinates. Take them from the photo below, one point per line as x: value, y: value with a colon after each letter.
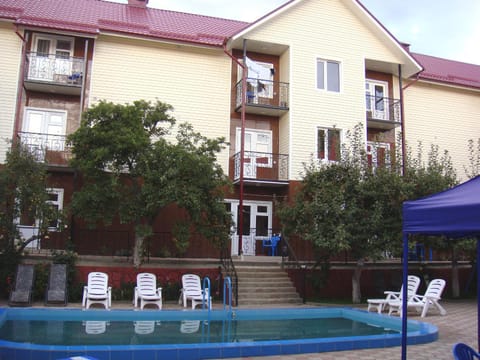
x: 449, y: 71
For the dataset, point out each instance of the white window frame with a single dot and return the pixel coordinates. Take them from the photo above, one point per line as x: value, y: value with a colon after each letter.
x: 326, y: 143
x: 250, y: 239
x: 252, y: 154
x: 371, y: 98
x: 55, y: 63
x: 373, y: 146
x: 27, y: 231
x: 39, y: 140
x: 324, y: 86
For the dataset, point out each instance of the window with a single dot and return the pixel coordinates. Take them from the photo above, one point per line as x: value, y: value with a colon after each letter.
x: 378, y: 154
x: 44, y: 130
x: 328, y: 144
x: 52, y: 56
x: 28, y: 216
x: 258, y: 150
x: 328, y: 75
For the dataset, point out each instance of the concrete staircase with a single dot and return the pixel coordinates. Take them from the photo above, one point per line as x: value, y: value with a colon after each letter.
x: 262, y: 281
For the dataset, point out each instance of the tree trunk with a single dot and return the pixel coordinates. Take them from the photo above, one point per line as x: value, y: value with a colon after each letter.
x: 138, y: 251
x: 357, y: 273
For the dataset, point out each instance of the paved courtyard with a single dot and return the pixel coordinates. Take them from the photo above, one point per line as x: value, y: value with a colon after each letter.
x: 459, y: 325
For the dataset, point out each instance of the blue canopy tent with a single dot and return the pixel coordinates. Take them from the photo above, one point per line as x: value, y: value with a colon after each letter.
x: 453, y: 213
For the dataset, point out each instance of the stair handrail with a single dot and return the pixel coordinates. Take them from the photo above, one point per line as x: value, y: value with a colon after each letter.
x: 291, y: 257
x: 207, y: 293
x: 229, y: 269
x: 227, y: 282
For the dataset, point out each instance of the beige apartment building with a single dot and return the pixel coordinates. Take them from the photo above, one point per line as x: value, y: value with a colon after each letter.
x: 314, y: 70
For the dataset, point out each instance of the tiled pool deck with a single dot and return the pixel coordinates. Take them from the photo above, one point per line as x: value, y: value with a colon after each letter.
x: 459, y: 325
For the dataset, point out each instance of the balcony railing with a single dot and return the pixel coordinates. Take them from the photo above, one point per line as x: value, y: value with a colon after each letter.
x: 381, y: 109
x: 54, y: 69
x: 48, y: 148
x: 263, y: 167
x: 263, y: 96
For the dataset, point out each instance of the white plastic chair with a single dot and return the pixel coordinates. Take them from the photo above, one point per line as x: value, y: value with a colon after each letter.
x: 380, y: 304
x: 422, y: 302
x: 146, y: 291
x: 192, y: 290
x: 97, y: 291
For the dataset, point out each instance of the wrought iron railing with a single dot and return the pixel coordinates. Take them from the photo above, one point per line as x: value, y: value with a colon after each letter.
x: 229, y: 270
x: 40, y: 144
x: 263, y: 93
x: 66, y: 70
x: 382, y: 108
x: 261, y: 166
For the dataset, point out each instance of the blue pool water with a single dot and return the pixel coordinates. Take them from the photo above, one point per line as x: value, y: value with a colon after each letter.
x: 122, y: 334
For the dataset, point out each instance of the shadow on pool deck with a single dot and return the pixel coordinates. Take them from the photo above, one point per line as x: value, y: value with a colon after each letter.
x: 459, y: 325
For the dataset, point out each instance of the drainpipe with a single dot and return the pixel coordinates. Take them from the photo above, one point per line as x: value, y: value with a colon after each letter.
x: 402, y: 118
x: 21, y: 78
x: 242, y: 138
x: 402, y: 110
x: 84, y: 78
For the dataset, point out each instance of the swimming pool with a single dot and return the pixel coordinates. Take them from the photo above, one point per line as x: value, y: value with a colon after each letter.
x: 196, y: 334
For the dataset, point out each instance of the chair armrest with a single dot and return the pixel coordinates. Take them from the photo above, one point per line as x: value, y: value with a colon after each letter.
x: 392, y: 295
x: 84, y: 298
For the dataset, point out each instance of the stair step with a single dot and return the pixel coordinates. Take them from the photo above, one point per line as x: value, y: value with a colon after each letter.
x: 264, y: 284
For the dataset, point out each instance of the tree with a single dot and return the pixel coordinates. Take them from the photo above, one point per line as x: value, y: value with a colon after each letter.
x: 351, y: 206
x: 23, y: 195
x: 132, y: 171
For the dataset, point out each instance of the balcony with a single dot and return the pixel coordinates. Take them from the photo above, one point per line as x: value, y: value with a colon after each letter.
x: 48, y: 148
x: 264, y: 97
x: 261, y: 168
x: 383, y: 113
x: 53, y: 74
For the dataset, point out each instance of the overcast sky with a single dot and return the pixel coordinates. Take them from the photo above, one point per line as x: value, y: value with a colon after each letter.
x: 443, y: 28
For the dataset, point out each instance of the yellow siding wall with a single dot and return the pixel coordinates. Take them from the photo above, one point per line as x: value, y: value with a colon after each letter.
x: 10, y: 48
x: 329, y: 30
x: 443, y: 116
x: 196, y: 82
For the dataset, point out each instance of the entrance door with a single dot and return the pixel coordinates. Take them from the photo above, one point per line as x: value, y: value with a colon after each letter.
x: 378, y: 154
x: 257, y: 224
x: 377, y: 99
x: 258, y: 150
x: 44, y: 130
x: 29, y: 225
x: 53, y: 56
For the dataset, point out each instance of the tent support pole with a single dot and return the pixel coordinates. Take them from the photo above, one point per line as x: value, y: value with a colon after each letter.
x: 478, y: 293
x: 404, y: 296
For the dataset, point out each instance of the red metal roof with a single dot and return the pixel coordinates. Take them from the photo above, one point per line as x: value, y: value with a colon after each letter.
x: 449, y: 71
x: 94, y: 16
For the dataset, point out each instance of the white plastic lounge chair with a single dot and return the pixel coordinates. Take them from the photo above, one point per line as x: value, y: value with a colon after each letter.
x: 56, y: 292
x: 192, y: 290
x: 422, y: 302
x: 380, y: 304
x: 21, y: 295
x: 97, y: 291
x: 146, y: 291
